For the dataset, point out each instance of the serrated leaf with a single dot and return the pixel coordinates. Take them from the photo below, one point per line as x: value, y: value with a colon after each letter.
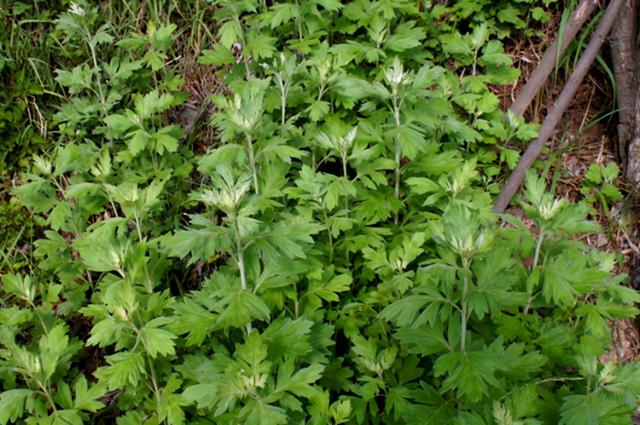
x: 118, y: 123
x: 219, y: 56
x: 12, y: 403
x: 241, y: 308
x: 124, y: 369
x: 157, y: 340
x: 86, y: 398
x: 204, y: 395
x: 470, y: 374
x: 424, y: 340
x: 299, y: 384
x: 288, y: 337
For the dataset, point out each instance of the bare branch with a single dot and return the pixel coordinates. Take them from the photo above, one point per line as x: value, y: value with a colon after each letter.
x: 548, y: 61
x: 561, y: 104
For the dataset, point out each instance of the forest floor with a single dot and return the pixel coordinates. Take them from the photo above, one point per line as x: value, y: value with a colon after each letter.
x: 587, y: 135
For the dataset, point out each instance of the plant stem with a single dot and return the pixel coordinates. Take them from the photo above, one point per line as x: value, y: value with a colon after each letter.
x: 296, y: 302
x: 47, y: 393
x: 398, y: 154
x: 243, y: 275
x: 252, y: 164
x: 475, y: 62
x: 94, y: 57
x: 465, y: 314
x: 463, y: 321
x: 39, y: 316
x: 283, y: 99
x: 344, y: 167
x: 298, y: 21
x: 326, y: 220
x: 536, y: 258
x: 154, y: 379
x: 138, y: 225
x: 398, y: 158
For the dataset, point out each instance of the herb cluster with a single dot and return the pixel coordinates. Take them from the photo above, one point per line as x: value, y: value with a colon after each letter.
x: 332, y: 258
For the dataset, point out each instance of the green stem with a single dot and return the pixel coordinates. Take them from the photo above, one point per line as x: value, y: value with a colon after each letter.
x: 138, y: 225
x: 398, y: 158
x: 465, y: 313
x: 398, y: 153
x: 94, y: 57
x: 475, y: 62
x: 154, y: 379
x: 326, y: 220
x: 536, y: 258
x: 296, y: 302
x: 39, y: 316
x: 47, y: 393
x: 283, y: 100
x: 252, y: 164
x: 243, y: 274
x: 463, y: 321
x: 298, y: 21
x: 344, y: 167
x: 347, y: 204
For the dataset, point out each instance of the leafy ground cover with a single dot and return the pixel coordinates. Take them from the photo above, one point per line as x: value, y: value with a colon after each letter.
x: 305, y: 236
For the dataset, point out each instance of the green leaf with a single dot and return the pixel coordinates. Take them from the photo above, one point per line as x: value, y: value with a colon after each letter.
x: 166, y: 139
x: 12, y: 404
x: 287, y: 337
x: 192, y: 319
x: 87, y: 398
x: 281, y: 13
x: 539, y: 14
x: 511, y: 15
x: 170, y: 405
x: 205, y: 395
x: 406, y: 36
x: 424, y: 340
x: 318, y: 109
x: 299, y: 383
x: 559, y: 281
x: 119, y: 123
x: 256, y: 412
x: 52, y: 347
x: 261, y: 46
x: 288, y: 239
x: 100, y: 251
x: 599, y: 408
x: 20, y: 286
x: 455, y: 45
x: 229, y: 33
x: 203, y: 240
x: 471, y: 374
x: 330, y: 5
x: 157, y: 340
x: 219, y: 56
x: 124, y: 368
x: 241, y: 308
x: 66, y: 417
x: 610, y: 172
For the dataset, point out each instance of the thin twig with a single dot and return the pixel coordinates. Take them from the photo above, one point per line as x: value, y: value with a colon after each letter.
x: 561, y: 104
x: 548, y: 61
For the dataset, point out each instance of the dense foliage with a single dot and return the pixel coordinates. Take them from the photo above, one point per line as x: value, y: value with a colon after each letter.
x: 332, y: 257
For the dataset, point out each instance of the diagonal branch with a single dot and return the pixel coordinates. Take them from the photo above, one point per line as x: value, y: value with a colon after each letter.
x: 548, y: 61
x: 561, y: 104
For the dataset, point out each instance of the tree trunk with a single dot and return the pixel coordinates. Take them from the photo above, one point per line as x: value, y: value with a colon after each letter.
x: 624, y: 55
